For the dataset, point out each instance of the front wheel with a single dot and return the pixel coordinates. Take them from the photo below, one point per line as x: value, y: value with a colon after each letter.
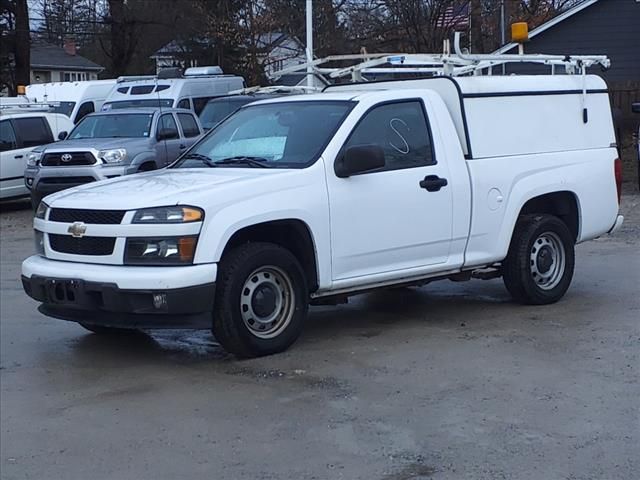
x: 261, y: 300
x: 539, y: 266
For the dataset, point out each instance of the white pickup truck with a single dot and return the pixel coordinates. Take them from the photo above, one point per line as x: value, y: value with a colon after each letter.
x: 309, y: 199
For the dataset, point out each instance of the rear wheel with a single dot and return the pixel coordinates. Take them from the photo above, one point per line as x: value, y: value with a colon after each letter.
x: 261, y: 300
x: 539, y: 266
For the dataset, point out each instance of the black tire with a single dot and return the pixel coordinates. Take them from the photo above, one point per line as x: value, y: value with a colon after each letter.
x: 537, y: 240
x: 35, y: 201
x: 233, y: 323
x: 100, y: 330
x: 147, y: 167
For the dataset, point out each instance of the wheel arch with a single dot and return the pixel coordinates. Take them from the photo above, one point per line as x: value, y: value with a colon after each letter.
x: 290, y: 233
x: 142, y: 159
x: 563, y: 204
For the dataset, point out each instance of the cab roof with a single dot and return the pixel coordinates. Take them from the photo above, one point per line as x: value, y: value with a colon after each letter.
x: 148, y: 110
x: 313, y: 97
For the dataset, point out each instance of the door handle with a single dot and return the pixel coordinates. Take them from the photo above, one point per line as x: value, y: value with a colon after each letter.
x: 182, y: 147
x: 433, y: 183
x: 18, y: 156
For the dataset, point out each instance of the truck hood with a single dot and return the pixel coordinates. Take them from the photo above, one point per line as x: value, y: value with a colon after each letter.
x: 200, y: 187
x: 97, y: 143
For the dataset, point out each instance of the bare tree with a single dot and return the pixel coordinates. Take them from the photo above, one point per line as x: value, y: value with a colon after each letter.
x: 15, y: 47
x: 60, y: 19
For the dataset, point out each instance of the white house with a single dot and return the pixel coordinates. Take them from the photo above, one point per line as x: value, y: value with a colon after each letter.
x: 50, y: 63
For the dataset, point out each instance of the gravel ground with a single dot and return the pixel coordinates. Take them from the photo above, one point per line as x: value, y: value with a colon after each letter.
x: 448, y: 381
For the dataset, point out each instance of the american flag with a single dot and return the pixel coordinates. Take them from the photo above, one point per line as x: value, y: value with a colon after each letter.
x: 456, y: 16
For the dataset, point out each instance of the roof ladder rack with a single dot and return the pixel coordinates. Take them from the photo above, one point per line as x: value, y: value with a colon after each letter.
x: 443, y: 64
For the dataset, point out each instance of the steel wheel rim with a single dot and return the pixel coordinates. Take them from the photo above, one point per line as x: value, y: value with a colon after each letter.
x: 547, y: 260
x: 267, y: 302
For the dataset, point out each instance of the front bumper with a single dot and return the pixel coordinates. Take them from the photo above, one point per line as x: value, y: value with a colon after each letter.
x: 47, y: 180
x: 133, y: 297
x: 617, y: 225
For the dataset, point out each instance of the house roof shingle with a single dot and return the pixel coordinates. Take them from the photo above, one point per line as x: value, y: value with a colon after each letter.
x: 47, y: 56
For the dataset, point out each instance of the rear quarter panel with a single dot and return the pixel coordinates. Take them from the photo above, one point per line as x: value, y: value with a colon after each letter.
x: 588, y: 174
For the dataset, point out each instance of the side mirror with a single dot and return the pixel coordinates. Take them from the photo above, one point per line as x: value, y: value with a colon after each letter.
x: 166, y: 134
x: 635, y: 107
x: 359, y: 159
x: 62, y: 135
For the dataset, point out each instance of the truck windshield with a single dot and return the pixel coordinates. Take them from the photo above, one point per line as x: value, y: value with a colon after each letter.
x: 151, y: 102
x: 283, y: 134
x: 217, y: 110
x: 130, y: 125
x: 64, y: 108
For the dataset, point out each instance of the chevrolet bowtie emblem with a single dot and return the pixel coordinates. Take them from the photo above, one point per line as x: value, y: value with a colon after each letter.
x: 77, y: 230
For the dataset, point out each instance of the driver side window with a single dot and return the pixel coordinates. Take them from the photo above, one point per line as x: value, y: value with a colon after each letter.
x: 7, y: 137
x: 168, y: 123
x: 401, y: 130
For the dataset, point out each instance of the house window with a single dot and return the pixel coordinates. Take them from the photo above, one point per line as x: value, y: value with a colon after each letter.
x: 74, y: 76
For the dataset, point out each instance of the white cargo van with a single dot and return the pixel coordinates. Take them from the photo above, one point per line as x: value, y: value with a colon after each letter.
x: 74, y: 99
x: 192, y: 90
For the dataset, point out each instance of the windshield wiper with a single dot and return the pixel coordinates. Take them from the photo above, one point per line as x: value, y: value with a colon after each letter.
x: 258, y: 162
x: 199, y: 156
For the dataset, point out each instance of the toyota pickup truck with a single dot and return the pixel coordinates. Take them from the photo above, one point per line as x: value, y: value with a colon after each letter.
x: 310, y: 199
x: 108, y: 145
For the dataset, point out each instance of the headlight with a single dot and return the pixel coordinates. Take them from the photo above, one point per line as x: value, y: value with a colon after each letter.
x: 177, y: 214
x: 41, y: 212
x: 115, y: 155
x: 160, y: 251
x: 33, y: 159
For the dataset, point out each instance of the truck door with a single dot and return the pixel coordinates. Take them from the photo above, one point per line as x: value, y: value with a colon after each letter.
x: 168, y: 139
x: 190, y: 130
x: 398, y: 217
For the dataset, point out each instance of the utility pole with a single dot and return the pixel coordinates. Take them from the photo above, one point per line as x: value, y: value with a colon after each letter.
x: 309, y: 43
x: 502, y: 26
x: 502, y: 32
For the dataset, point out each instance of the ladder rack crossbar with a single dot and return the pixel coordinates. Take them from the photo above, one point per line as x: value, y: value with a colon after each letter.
x: 454, y: 64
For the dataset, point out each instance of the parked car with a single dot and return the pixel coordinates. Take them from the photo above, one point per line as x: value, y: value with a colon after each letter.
x: 111, y: 144
x: 191, y: 91
x: 21, y: 130
x: 217, y: 109
x: 73, y: 99
x: 312, y: 198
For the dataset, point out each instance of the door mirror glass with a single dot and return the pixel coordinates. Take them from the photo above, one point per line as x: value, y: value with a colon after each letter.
x: 360, y: 159
x: 62, y: 135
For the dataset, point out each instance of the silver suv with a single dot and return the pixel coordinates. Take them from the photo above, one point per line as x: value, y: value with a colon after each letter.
x: 111, y: 144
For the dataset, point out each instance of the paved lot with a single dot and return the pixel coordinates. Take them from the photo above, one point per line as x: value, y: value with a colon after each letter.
x: 448, y: 381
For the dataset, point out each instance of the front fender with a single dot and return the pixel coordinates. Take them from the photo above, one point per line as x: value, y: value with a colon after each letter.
x: 143, y: 157
x: 305, y: 201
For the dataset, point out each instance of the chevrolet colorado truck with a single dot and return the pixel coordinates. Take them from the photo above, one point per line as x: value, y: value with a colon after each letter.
x: 312, y: 198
